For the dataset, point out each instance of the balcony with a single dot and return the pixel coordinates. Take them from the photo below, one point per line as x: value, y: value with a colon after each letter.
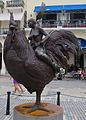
x: 64, y: 24
x: 49, y: 23
x: 15, y: 3
x: 4, y: 31
x: 1, y: 4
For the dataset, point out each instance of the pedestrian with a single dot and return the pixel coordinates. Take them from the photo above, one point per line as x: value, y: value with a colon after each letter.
x: 62, y: 72
x: 82, y: 74
x: 17, y: 87
x: 79, y: 73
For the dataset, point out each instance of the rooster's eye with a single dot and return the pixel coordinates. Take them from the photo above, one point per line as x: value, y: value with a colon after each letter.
x: 66, y: 46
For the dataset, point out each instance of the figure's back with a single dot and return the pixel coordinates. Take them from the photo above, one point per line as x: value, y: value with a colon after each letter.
x: 36, y: 36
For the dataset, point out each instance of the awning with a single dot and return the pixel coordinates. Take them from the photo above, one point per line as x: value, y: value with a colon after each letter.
x: 61, y: 7
x: 49, y: 8
x: 6, y: 16
x: 82, y: 43
x: 75, y: 7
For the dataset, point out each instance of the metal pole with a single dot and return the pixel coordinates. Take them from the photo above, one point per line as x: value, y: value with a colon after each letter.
x: 8, y: 103
x: 58, y: 98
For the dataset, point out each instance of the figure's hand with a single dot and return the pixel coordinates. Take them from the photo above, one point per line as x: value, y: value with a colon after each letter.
x: 39, y: 43
x: 30, y: 37
x: 46, y: 38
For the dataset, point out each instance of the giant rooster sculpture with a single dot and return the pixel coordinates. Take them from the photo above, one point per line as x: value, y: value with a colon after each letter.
x: 24, y: 66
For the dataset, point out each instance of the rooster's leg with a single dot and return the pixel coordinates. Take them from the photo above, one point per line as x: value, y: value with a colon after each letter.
x: 38, y: 98
x: 37, y: 105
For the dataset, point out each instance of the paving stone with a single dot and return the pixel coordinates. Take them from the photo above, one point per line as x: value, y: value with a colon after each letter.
x: 73, y: 110
x: 72, y: 101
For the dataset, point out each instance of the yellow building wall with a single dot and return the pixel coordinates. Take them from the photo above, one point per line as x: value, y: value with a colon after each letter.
x: 4, y: 24
x: 80, y: 33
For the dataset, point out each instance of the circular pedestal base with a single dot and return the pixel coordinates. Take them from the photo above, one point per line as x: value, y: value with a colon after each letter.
x: 55, y: 112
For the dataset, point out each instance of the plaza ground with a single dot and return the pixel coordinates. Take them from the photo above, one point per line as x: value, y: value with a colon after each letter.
x: 73, y: 97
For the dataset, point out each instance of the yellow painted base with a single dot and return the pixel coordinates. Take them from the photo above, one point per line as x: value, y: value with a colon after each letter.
x: 53, y: 109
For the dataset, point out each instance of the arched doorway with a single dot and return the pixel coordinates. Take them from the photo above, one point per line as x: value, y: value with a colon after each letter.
x: 0, y: 56
x: 82, y: 61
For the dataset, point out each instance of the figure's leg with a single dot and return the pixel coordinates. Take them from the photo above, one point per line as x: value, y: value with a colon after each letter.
x: 40, y: 52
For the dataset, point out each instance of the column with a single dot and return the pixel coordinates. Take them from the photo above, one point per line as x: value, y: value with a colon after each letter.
x: 3, y: 69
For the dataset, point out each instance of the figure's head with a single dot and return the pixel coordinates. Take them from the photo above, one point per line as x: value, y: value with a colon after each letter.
x: 31, y: 23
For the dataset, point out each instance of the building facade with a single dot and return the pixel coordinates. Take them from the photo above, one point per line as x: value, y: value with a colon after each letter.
x: 61, y: 14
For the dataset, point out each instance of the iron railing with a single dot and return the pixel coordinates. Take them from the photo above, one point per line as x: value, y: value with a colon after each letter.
x: 54, y: 24
x: 3, y: 30
x: 15, y: 3
x: 63, y: 23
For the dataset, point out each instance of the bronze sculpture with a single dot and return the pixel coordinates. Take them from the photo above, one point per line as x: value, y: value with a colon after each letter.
x: 29, y: 70
x: 38, y: 44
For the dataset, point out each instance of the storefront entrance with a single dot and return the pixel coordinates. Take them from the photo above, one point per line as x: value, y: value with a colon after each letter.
x: 81, y: 61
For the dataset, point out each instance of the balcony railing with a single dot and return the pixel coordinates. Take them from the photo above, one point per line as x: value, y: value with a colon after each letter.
x: 74, y: 23
x: 1, y: 4
x: 15, y: 3
x: 49, y: 23
x: 65, y: 23
x: 4, y: 31
x: 54, y: 24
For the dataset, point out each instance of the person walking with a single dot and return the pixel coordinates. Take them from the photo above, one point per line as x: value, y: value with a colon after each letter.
x: 17, y: 87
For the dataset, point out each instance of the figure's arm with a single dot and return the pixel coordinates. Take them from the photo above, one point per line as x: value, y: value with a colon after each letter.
x: 45, y: 34
x: 42, y: 31
x: 30, y: 36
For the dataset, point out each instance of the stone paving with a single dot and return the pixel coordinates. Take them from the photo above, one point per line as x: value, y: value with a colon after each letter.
x: 73, y: 97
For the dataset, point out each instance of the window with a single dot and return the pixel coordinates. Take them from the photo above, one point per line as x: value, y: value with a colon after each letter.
x: 50, y: 16
x: 77, y: 16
